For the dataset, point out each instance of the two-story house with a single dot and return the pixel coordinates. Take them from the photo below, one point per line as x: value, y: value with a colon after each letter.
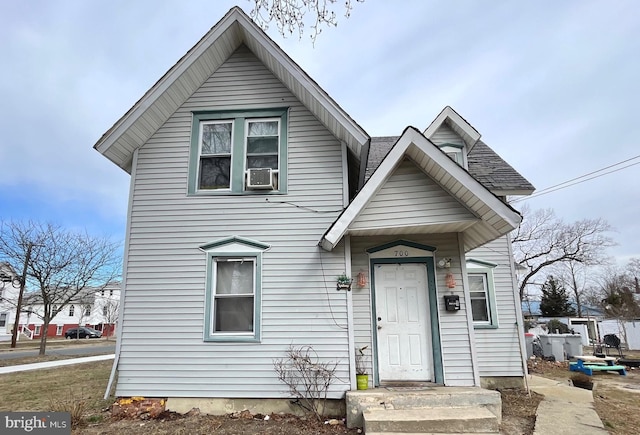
x: 9, y: 289
x: 252, y: 191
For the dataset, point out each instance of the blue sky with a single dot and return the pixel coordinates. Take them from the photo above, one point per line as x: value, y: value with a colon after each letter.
x: 551, y: 86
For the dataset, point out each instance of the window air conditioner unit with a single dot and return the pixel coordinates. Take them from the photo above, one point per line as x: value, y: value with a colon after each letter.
x: 260, y: 178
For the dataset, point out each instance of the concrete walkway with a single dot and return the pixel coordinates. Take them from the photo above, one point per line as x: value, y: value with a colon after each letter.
x: 51, y: 364
x: 565, y: 409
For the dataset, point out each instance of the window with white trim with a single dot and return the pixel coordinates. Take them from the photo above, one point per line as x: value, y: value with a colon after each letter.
x: 479, y: 293
x: 238, y: 152
x: 482, y: 293
x: 233, y: 289
x: 38, y: 330
x: 3, y: 320
x: 214, y: 169
x: 59, y: 330
x: 233, y: 295
x: 72, y: 309
x: 455, y: 152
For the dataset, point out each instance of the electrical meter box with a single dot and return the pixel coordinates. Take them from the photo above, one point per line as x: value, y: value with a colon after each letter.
x: 452, y: 302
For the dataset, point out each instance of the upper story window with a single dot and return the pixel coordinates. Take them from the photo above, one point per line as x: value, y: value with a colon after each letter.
x: 72, y: 310
x: 238, y: 152
x: 455, y: 153
x: 214, y: 171
x: 482, y: 293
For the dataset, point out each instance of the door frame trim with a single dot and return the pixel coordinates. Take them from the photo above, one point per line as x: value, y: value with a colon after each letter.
x: 426, y: 258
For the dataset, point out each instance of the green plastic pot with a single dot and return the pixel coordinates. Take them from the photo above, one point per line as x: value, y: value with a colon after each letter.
x: 362, y: 382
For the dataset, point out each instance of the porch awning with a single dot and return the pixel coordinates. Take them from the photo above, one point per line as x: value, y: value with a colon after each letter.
x: 472, y: 209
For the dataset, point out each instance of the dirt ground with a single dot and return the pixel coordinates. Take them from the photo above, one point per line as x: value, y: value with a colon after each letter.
x: 518, y: 418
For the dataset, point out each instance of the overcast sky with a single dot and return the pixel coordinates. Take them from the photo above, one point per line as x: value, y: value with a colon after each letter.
x: 553, y: 87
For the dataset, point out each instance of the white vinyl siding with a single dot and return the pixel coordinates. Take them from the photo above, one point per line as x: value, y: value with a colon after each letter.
x: 444, y: 134
x: 451, y: 143
x: 501, y: 343
x: 410, y: 198
x: 456, y: 345
x: 164, y: 306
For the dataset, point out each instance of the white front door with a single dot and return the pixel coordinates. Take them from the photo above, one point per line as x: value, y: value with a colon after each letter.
x: 402, y: 321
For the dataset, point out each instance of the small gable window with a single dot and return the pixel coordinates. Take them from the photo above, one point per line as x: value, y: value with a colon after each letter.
x: 482, y: 293
x: 454, y: 152
x: 238, y: 152
x: 71, y: 310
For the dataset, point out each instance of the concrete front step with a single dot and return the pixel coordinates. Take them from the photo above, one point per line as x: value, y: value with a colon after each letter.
x: 406, y: 399
x: 431, y: 420
x: 422, y: 433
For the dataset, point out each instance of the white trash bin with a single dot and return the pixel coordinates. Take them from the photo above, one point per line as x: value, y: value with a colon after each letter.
x: 553, y: 346
x: 572, y: 345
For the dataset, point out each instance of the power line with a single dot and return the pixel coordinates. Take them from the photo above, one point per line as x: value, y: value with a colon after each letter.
x: 581, y: 179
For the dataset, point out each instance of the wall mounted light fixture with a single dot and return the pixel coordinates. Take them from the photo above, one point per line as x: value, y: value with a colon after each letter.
x: 445, y: 263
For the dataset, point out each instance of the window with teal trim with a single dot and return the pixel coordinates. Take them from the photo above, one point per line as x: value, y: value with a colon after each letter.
x: 238, y: 152
x: 482, y: 294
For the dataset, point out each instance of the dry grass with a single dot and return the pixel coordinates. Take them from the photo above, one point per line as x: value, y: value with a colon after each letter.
x: 36, y: 390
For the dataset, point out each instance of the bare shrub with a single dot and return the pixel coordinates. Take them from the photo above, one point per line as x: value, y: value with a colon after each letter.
x: 76, y: 405
x: 308, y: 379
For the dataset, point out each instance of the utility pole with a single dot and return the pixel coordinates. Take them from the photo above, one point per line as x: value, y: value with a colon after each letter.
x: 23, y: 280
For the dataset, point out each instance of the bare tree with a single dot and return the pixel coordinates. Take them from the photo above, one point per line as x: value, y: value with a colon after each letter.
x: 617, y: 296
x: 633, y: 268
x: 543, y: 240
x: 61, y: 263
x: 578, y: 278
x: 289, y: 15
x: 111, y: 310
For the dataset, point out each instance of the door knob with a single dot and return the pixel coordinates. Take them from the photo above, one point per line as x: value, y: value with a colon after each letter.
x: 379, y: 326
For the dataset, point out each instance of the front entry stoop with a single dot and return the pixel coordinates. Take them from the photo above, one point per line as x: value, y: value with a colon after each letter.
x: 437, y: 405
x: 431, y: 421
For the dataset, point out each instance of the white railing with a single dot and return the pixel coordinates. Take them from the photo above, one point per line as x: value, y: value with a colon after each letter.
x: 26, y: 331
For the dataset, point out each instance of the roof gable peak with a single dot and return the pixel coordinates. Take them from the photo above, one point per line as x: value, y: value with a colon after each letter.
x: 457, y: 123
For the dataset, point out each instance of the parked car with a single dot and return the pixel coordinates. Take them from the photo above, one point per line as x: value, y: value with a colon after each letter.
x: 83, y: 333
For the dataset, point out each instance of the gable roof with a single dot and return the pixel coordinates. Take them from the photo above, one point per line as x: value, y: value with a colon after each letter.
x: 494, y: 218
x: 136, y: 126
x: 487, y: 167
x: 484, y: 164
x: 457, y: 123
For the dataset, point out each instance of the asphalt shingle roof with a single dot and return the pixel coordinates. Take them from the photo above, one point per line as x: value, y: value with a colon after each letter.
x: 485, y: 165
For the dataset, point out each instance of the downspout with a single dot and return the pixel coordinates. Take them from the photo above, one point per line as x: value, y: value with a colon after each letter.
x: 518, y: 307
x: 347, y: 265
x: 123, y: 284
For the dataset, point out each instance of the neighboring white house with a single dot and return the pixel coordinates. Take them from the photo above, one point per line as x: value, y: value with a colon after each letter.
x: 252, y: 191
x: 9, y: 289
x: 96, y: 308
